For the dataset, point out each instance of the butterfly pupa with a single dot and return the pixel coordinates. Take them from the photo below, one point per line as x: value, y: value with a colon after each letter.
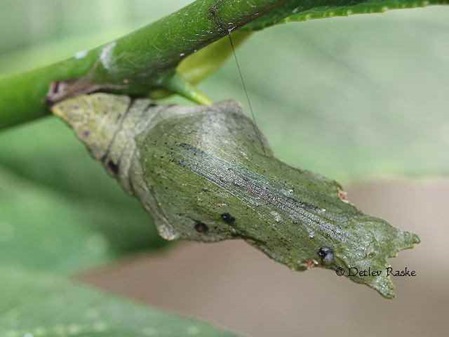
x: 204, y: 174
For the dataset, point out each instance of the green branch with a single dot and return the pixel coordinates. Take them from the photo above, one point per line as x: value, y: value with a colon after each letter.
x: 136, y: 64
x: 145, y: 61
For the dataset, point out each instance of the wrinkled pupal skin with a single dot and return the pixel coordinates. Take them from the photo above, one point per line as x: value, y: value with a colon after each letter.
x: 205, y: 174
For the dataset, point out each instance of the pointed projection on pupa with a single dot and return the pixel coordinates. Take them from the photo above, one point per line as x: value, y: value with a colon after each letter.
x: 205, y: 175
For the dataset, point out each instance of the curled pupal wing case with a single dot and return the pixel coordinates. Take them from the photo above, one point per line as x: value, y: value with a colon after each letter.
x: 206, y: 174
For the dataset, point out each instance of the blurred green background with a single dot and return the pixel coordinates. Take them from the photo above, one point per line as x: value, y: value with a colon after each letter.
x: 358, y: 98
x: 368, y: 93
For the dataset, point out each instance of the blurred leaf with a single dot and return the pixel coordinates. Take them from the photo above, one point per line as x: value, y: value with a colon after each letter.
x: 36, y: 305
x: 60, y: 211
x: 351, y: 98
x: 299, y: 10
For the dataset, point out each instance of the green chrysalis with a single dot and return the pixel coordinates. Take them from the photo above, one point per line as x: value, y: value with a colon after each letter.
x: 204, y: 175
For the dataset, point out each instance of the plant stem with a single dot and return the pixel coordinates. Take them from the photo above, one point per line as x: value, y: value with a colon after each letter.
x: 135, y: 64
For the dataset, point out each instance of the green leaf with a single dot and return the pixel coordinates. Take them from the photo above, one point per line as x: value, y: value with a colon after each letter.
x: 356, y: 98
x: 60, y: 211
x: 300, y: 10
x: 37, y: 305
x: 208, y: 60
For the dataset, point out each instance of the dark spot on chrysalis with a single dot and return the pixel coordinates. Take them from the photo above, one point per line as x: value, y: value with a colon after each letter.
x: 326, y: 254
x: 228, y: 218
x: 201, y: 227
x: 113, y: 167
